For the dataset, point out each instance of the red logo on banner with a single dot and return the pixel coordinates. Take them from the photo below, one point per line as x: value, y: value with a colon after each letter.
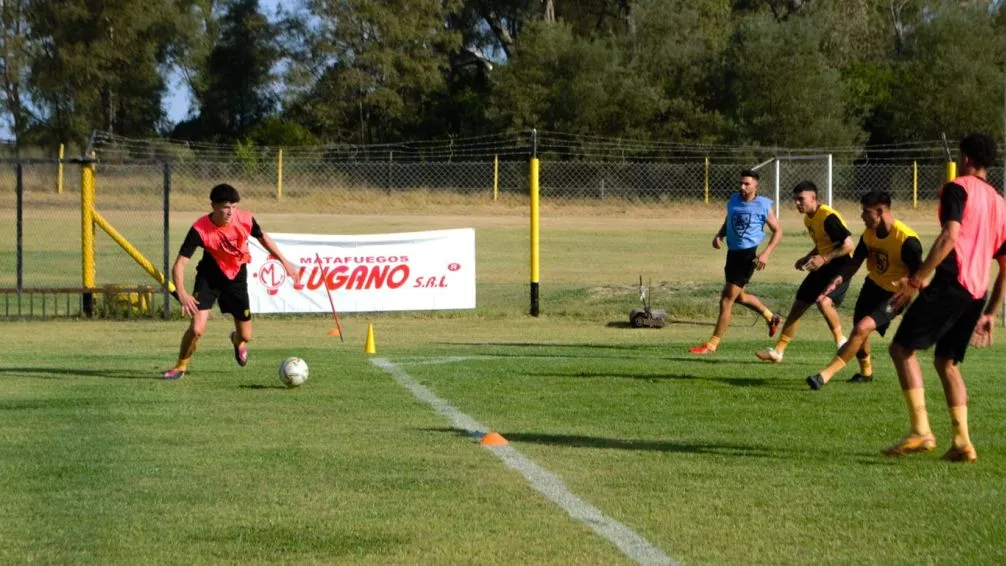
x: 272, y: 275
x: 357, y: 278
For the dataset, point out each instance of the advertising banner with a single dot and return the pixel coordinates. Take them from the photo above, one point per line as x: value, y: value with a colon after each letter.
x: 411, y: 271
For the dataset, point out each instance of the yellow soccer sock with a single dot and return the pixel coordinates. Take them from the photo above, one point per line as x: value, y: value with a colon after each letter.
x: 182, y: 364
x: 834, y: 367
x: 713, y: 343
x: 767, y: 315
x: 916, y: 399
x: 783, y: 342
x: 865, y: 366
x: 959, y: 425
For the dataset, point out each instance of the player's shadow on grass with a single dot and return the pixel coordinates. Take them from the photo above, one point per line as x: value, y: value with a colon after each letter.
x: 60, y: 373
x: 735, y: 381
x: 677, y: 446
x: 258, y: 386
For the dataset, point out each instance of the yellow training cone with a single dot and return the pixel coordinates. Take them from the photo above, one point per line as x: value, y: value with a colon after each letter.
x: 370, y: 347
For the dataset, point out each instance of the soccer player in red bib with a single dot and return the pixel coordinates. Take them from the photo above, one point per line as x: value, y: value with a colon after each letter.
x: 221, y: 274
x: 952, y: 305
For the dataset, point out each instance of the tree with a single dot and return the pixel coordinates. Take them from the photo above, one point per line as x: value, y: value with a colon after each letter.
x: 783, y: 90
x: 557, y: 81
x: 15, y: 58
x: 370, y: 71
x: 99, y: 65
x: 235, y: 91
x: 948, y: 82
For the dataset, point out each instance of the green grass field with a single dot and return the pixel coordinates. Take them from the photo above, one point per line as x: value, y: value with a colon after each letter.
x: 715, y: 460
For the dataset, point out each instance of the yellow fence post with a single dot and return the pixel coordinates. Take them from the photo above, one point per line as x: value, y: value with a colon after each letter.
x: 279, y: 174
x: 951, y: 170
x: 496, y: 177
x: 915, y: 184
x: 707, y: 179
x: 87, y: 234
x: 535, y: 308
x: 59, y: 176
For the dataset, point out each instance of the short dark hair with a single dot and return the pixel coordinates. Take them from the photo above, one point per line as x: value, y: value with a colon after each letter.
x: 224, y: 193
x: 875, y: 197
x: 750, y: 173
x: 980, y: 148
x: 805, y: 186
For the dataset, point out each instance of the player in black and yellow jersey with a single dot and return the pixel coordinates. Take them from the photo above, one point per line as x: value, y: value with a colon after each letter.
x: 892, y: 252
x: 831, y: 253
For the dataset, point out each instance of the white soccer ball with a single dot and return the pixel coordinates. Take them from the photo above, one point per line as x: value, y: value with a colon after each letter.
x: 293, y: 372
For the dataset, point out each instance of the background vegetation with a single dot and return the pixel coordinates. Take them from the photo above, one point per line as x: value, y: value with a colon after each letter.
x: 792, y: 73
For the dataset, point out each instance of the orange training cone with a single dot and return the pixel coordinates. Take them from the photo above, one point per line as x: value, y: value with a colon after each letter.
x: 493, y: 439
x: 334, y: 331
x: 370, y: 347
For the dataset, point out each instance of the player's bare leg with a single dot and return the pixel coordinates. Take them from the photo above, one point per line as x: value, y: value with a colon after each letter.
x: 920, y: 437
x: 789, y: 328
x: 858, y: 345
x: 830, y: 313
x: 754, y: 303
x: 961, y: 449
x: 190, y: 341
x: 239, y: 338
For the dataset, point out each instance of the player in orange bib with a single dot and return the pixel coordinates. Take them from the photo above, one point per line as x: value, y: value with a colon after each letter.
x: 221, y: 274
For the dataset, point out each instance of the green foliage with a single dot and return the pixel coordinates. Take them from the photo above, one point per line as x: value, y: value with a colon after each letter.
x: 99, y: 66
x: 784, y: 90
x: 951, y: 78
x: 277, y: 132
x: 238, y: 84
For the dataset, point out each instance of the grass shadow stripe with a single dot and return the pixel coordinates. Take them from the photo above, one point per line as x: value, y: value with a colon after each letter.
x: 545, y: 482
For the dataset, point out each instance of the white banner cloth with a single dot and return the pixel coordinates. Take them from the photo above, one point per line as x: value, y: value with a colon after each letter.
x: 381, y: 272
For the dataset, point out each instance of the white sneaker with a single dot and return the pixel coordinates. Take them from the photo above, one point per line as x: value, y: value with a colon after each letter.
x: 770, y: 355
x: 841, y: 342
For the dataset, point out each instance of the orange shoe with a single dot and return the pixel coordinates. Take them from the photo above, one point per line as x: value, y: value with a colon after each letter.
x: 964, y: 454
x: 701, y: 350
x: 911, y: 444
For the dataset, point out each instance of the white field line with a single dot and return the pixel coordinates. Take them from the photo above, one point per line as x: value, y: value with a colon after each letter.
x: 545, y: 482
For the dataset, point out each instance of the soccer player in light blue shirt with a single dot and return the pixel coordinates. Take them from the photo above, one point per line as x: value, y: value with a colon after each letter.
x: 744, y: 230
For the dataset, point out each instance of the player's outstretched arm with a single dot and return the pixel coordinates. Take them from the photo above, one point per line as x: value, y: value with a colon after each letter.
x: 272, y: 248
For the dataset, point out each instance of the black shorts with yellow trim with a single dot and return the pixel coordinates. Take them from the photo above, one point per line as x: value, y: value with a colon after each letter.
x: 944, y: 314
x: 232, y: 294
x: 873, y: 302
x: 740, y: 266
x: 817, y: 281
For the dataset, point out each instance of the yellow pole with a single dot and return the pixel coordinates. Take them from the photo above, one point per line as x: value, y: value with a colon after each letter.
x: 279, y: 175
x: 915, y: 184
x: 59, y: 177
x: 133, y: 252
x: 534, y: 238
x: 87, y: 224
x: 707, y: 179
x: 496, y: 177
x: 951, y: 170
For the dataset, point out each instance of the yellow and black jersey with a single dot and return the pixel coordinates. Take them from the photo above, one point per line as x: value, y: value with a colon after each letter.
x: 826, y: 229
x: 898, y: 254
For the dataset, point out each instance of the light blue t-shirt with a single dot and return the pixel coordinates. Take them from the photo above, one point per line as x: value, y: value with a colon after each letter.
x: 746, y: 221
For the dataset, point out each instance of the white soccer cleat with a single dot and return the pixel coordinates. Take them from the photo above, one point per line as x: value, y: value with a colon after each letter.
x: 770, y: 355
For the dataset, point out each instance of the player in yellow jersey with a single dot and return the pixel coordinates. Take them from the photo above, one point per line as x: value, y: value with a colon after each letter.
x: 831, y: 253
x: 892, y: 252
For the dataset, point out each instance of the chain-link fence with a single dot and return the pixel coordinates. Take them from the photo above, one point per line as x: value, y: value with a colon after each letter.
x: 45, y: 249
